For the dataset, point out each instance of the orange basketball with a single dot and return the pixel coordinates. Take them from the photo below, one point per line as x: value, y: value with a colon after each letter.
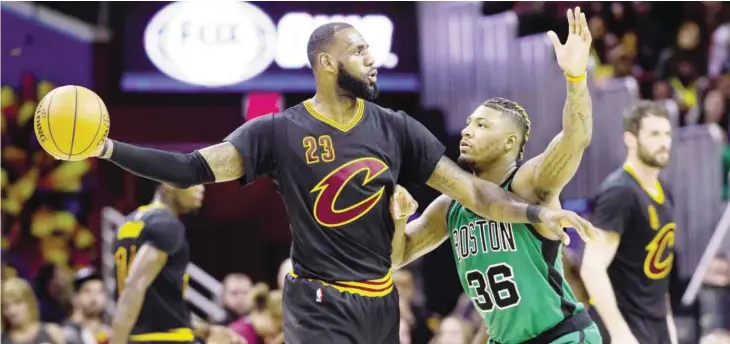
x: 71, y: 122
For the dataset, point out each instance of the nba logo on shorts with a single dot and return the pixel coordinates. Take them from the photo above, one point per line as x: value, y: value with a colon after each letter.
x: 319, y: 295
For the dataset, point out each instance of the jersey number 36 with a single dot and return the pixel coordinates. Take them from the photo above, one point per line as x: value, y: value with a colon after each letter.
x: 495, y: 286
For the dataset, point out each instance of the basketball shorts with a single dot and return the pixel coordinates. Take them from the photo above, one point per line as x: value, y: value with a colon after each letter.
x: 577, y: 329
x: 318, y: 312
x: 646, y: 330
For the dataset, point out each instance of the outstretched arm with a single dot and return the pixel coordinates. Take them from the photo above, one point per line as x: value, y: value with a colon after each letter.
x: 484, y: 198
x: 423, y: 234
x: 557, y: 165
x: 218, y: 163
x: 490, y: 201
x: 554, y: 168
x: 248, y: 150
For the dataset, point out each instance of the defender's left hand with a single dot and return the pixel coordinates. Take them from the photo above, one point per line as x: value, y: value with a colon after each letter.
x: 573, y: 55
x: 402, y: 204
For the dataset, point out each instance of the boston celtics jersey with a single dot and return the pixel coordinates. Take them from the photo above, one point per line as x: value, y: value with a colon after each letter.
x: 513, y: 276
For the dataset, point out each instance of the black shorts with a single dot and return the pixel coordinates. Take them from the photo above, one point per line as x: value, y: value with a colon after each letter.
x: 318, y: 313
x: 646, y: 330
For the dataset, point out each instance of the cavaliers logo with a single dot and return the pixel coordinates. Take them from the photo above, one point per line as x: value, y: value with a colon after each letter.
x: 331, y: 186
x: 659, y: 257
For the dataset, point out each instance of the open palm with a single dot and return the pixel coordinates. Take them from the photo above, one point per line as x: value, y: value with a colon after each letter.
x: 573, y: 55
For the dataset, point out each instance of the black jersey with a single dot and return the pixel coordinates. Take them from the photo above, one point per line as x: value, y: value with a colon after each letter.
x: 640, y: 269
x: 336, y: 181
x: 164, y: 315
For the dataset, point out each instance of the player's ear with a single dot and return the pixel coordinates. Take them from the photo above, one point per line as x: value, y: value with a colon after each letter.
x: 629, y: 139
x: 327, y: 62
x: 510, y: 143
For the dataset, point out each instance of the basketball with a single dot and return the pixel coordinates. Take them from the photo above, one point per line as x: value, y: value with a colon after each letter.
x: 71, y: 122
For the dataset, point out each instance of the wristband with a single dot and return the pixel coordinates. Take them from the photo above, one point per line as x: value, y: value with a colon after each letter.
x: 576, y: 78
x: 533, y: 213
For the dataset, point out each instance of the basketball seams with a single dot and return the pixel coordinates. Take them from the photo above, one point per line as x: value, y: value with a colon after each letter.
x: 73, y: 127
x: 48, y: 121
x: 66, y: 119
x: 93, y: 140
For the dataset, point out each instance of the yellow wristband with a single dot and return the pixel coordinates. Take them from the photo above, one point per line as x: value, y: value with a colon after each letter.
x: 576, y: 78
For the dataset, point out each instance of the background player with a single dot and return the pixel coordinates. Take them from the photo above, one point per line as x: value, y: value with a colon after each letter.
x: 333, y: 158
x: 151, y: 256
x: 513, y: 272
x: 627, y: 274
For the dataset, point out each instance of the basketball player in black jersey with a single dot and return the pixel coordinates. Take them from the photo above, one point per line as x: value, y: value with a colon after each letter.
x: 151, y: 255
x: 627, y: 274
x: 336, y: 159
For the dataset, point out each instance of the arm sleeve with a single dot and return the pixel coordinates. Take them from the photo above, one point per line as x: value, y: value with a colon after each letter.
x: 255, y: 142
x: 165, y: 234
x: 612, y: 209
x: 421, y: 151
x: 176, y: 169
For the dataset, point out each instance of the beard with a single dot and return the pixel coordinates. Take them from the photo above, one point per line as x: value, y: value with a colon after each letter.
x: 650, y: 159
x: 356, y: 87
x: 467, y: 164
x: 93, y: 311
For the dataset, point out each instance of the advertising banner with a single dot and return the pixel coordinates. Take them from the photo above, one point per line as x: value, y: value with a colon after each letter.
x: 236, y: 46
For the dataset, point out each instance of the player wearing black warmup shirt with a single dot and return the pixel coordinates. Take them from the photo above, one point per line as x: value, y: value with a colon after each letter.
x: 336, y: 159
x: 627, y: 273
x: 151, y: 256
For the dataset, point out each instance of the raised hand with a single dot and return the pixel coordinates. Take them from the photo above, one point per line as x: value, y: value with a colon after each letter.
x: 573, y: 55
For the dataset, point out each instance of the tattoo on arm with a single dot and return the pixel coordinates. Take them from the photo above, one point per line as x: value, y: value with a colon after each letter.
x: 224, y: 160
x: 563, y: 155
x: 147, y: 264
x: 425, y: 233
x: 578, y: 112
x: 486, y: 199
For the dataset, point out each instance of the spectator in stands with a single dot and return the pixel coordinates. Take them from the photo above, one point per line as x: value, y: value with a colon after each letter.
x: 661, y: 90
x: 454, y: 330
x: 714, y: 110
x: 86, y: 324
x: 421, y: 321
x: 265, y: 323
x: 21, y: 323
x: 687, y: 47
x: 284, y: 269
x: 235, y: 300
x: 621, y: 61
x: 723, y: 81
x: 53, y: 288
x: 603, y: 42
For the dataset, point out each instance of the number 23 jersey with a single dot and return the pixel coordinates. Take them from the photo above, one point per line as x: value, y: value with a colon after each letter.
x: 513, y: 276
x: 164, y: 308
x: 336, y: 181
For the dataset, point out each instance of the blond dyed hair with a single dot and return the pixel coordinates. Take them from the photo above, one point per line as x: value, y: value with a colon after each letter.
x: 15, y: 289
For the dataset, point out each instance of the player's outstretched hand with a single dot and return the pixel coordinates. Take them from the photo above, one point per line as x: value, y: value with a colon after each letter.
x: 557, y: 219
x: 573, y: 55
x: 223, y: 335
x: 402, y: 204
